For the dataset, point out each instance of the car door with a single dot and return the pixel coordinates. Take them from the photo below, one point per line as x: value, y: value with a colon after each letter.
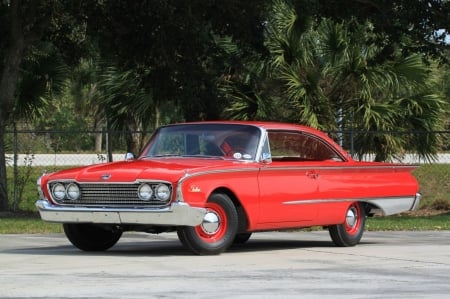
x: 289, y: 184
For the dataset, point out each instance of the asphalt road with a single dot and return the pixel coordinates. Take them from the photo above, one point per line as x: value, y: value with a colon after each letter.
x: 270, y: 265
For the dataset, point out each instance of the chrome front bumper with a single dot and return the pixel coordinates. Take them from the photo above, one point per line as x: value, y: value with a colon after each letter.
x: 177, y: 214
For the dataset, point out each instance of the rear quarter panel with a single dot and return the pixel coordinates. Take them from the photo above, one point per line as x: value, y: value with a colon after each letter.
x: 361, y: 182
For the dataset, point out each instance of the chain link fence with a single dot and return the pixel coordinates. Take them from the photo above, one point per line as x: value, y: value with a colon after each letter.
x: 66, y: 148
x: 52, y: 150
x: 75, y: 148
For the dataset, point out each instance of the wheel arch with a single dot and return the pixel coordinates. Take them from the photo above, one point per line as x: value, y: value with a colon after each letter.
x: 243, y: 218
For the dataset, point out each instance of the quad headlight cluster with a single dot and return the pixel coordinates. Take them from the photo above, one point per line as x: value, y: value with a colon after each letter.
x: 150, y: 192
x: 62, y: 191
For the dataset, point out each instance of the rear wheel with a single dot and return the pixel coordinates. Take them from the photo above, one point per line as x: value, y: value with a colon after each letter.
x: 218, y: 229
x: 350, y: 232
x: 92, y: 237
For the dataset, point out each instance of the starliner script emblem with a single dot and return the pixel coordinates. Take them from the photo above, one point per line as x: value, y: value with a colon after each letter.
x: 106, y: 176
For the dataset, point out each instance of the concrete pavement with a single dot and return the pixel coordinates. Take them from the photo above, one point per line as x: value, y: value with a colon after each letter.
x: 270, y: 265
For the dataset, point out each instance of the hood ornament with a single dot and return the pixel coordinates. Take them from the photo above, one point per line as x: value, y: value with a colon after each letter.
x: 106, y: 176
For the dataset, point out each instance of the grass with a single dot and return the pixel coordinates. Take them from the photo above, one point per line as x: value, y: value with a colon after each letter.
x: 27, y: 225
x: 434, y: 181
x: 409, y: 223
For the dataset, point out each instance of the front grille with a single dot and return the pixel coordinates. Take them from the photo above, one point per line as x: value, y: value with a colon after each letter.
x: 112, y: 195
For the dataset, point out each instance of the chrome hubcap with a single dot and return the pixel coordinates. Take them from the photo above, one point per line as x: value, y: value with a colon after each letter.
x: 211, y: 223
x: 351, y: 218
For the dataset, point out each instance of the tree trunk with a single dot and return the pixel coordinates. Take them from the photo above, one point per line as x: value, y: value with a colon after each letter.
x: 8, y: 83
x: 98, y: 136
x: 157, y: 116
x: 134, y: 137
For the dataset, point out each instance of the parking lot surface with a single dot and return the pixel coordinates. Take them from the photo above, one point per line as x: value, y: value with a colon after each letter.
x: 271, y: 265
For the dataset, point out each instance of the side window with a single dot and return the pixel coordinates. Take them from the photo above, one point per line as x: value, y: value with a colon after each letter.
x: 295, y: 146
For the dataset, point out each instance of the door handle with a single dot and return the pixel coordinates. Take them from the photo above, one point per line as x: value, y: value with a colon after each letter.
x: 312, y: 175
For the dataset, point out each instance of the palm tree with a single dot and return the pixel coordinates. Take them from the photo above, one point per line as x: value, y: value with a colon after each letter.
x: 247, y: 87
x: 83, y: 89
x: 246, y: 90
x: 129, y: 107
x: 336, y: 78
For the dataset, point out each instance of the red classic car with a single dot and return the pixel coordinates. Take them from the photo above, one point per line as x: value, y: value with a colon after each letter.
x: 216, y: 183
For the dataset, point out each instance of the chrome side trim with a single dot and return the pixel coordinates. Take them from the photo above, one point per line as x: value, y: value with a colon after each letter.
x: 178, y: 214
x: 179, y: 193
x: 387, y: 205
x: 338, y: 167
x: 187, y: 175
x: 316, y: 201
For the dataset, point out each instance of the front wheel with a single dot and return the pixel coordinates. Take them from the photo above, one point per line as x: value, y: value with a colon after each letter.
x: 91, y: 237
x: 350, y: 232
x: 218, y: 229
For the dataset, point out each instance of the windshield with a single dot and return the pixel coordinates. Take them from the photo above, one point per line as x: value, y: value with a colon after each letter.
x: 234, y: 141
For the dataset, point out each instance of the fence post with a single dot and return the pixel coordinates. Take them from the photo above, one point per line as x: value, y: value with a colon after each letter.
x: 352, y: 143
x: 15, y: 166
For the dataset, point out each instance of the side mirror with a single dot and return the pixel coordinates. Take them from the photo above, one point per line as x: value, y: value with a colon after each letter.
x: 129, y: 157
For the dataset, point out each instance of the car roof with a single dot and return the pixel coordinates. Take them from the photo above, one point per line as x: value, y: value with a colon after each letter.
x: 268, y: 125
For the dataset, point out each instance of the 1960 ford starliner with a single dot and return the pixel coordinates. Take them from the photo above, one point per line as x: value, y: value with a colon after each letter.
x: 216, y: 183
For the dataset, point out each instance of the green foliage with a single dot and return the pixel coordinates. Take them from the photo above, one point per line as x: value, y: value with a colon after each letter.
x: 409, y: 223
x: 405, y: 25
x: 26, y: 190
x: 22, y: 180
x: 43, y: 73
x: 60, y: 116
x: 336, y: 78
x: 27, y: 225
x: 273, y: 60
x: 434, y: 181
x: 169, y: 46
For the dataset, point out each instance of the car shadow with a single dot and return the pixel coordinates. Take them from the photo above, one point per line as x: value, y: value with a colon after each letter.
x: 173, y: 248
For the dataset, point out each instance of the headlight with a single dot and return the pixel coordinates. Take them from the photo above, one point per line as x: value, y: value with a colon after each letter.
x: 59, y: 191
x: 73, y: 191
x: 145, y: 192
x: 162, y: 192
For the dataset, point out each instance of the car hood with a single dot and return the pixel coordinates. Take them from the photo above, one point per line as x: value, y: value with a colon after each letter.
x: 166, y: 169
